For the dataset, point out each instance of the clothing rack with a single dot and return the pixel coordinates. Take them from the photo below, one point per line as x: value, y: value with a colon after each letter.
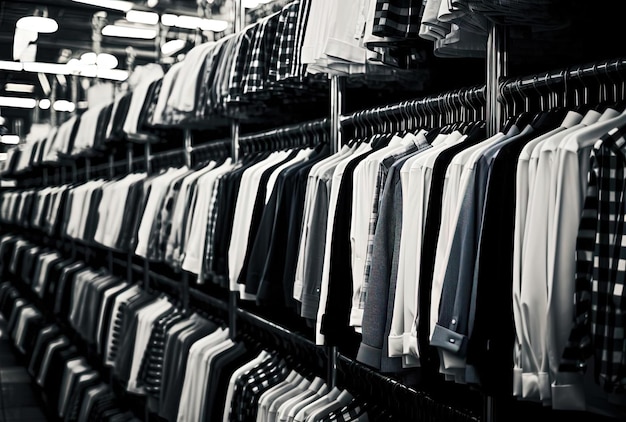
x: 432, y: 111
x: 404, y: 400
x: 556, y: 87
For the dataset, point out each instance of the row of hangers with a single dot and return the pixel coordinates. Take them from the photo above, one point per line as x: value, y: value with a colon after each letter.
x: 571, y: 88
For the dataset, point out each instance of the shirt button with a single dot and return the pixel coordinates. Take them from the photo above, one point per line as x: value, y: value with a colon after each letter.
x: 452, y: 341
x: 453, y: 322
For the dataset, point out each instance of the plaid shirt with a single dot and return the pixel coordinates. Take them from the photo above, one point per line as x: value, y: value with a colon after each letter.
x: 285, y: 43
x: 398, y: 18
x: 351, y: 412
x: 599, y: 300
x: 237, y: 71
x: 250, y: 386
x: 210, y: 231
x: 254, y: 79
x: 381, y: 178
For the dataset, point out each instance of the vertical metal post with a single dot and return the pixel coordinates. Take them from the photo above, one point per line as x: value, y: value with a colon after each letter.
x: 148, y: 156
x: 111, y: 166
x: 233, y: 295
x: 188, y: 147
x: 53, y: 97
x: 129, y: 254
x: 240, y: 15
x: 129, y: 157
x: 337, y: 86
x: 497, y: 69
x: 87, y: 168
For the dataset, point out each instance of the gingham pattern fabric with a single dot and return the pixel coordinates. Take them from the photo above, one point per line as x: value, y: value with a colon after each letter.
x: 256, y: 75
x: 210, y: 230
x: 250, y: 386
x: 298, y: 70
x: 212, y: 60
x: 398, y: 18
x: 599, y: 317
x: 351, y: 412
x: 284, y: 46
x: 235, y: 87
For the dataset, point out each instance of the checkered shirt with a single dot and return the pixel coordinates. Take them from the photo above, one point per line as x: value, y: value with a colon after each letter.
x: 255, y: 77
x: 398, y: 18
x: 599, y: 301
x: 235, y: 87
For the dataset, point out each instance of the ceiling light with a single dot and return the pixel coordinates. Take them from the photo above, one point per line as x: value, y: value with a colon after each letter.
x: 124, y: 6
x: 7, y: 65
x: 249, y: 4
x: 194, y: 22
x: 113, y: 74
x: 89, y: 70
x: 63, y: 105
x: 188, y: 22
x: 59, y: 69
x: 39, y: 24
x: 172, y: 47
x: 137, y: 16
x: 168, y: 19
x: 88, y: 58
x: 215, y: 25
x: 128, y: 32
x: 13, y: 87
x: 10, y: 139
x: 63, y: 69
x: 17, y: 102
x: 106, y: 61
x: 44, y: 104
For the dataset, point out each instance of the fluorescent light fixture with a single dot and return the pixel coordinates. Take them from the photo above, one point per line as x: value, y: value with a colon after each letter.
x: 24, y: 88
x: 44, y: 104
x: 249, y: 4
x: 172, y: 47
x: 188, y: 22
x: 114, y: 74
x: 88, y: 58
x: 215, y: 25
x: 10, y: 139
x: 56, y: 68
x: 194, y: 22
x: 106, y: 61
x: 38, y: 24
x: 17, y: 102
x: 138, y: 16
x: 90, y: 71
x: 168, y: 19
x: 128, y: 32
x: 124, y: 6
x: 63, y: 69
x: 63, y: 105
x: 7, y: 65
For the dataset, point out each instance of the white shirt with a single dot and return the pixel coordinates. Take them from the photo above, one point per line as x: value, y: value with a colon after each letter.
x: 195, y: 246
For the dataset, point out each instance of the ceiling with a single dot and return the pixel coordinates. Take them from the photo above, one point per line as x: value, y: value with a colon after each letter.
x: 74, y: 37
